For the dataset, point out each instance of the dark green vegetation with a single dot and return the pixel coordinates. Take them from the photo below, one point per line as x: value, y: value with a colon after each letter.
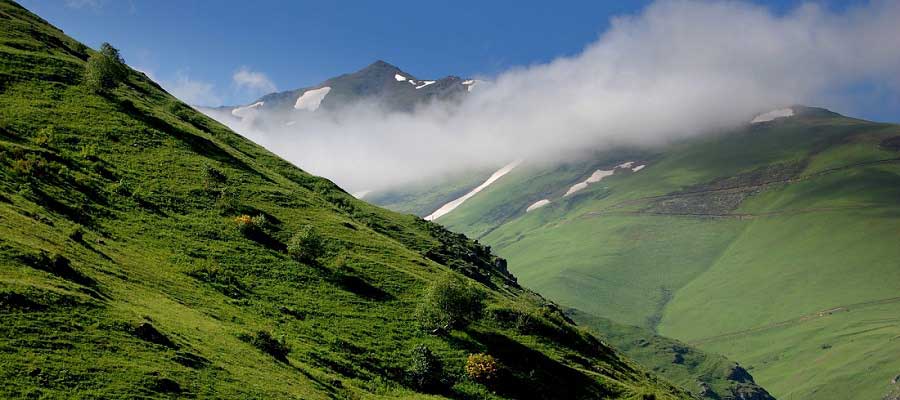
x: 708, y: 375
x: 146, y: 251
x: 775, y: 245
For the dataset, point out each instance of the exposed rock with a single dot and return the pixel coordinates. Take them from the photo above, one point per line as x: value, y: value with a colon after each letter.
x: 739, y: 374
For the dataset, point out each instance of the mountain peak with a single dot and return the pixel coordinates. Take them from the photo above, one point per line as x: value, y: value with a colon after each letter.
x: 381, y: 65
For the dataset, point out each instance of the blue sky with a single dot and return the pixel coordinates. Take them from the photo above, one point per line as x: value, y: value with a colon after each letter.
x: 197, y: 47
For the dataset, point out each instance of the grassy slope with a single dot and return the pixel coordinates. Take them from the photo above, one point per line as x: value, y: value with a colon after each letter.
x: 767, y: 254
x: 711, y: 375
x: 160, y: 247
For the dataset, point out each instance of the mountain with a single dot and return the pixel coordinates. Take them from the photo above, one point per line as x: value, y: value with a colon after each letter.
x: 774, y: 244
x: 381, y: 84
x: 146, y: 251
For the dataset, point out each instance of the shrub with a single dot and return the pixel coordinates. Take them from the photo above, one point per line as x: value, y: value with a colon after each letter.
x: 44, y: 137
x: 426, y: 373
x: 451, y: 302
x: 251, y: 225
x: 105, y: 69
x: 482, y: 368
x: 306, y: 244
x: 266, y: 342
x: 30, y: 165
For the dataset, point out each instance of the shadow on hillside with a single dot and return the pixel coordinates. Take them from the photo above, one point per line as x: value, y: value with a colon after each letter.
x: 349, y: 281
x: 529, y: 374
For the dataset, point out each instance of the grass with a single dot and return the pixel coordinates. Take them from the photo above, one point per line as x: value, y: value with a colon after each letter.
x: 230, y: 314
x: 707, y: 374
x: 786, y: 219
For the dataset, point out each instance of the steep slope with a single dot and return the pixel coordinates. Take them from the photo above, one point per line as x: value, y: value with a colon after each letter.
x: 709, y: 375
x: 130, y: 266
x: 753, y: 244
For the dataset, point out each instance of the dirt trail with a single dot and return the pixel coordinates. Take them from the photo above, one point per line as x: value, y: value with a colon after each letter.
x: 794, y: 321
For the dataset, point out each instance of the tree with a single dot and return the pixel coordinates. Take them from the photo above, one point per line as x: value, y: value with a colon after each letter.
x: 450, y: 303
x: 105, y: 69
x: 306, y: 244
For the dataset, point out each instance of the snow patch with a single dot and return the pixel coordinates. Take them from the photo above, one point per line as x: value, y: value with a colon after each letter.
x: 537, y: 204
x: 399, y: 78
x: 424, y: 83
x: 771, y: 115
x: 446, y: 208
x: 311, y: 99
x: 470, y: 84
x: 246, y: 110
x: 290, y: 123
x: 597, y: 176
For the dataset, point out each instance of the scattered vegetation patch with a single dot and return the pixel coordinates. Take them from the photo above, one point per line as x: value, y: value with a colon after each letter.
x: 450, y: 303
x: 105, y: 69
x: 268, y: 343
x: 482, y: 368
x: 307, y: 245
x: 223, y: 280
x: 426, y: 371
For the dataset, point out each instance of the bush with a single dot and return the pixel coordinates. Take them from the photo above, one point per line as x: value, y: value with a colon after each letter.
x: 44, y: 137
x: 251, y: 225
x: 426, y: 373
x: 105, y: 69
x: 482, y: 368
x: 266, y: 342
x: 306, y: 244
x: 30, y: 165
x: 450, y: 303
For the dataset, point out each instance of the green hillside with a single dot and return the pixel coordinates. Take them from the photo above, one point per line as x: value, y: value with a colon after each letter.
x: 739, y: 243
x: 422, y: 198
x: 146, y: 251
x: 709, y: 375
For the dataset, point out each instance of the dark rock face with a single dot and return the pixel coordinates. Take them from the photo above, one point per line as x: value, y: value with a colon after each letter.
x: 739, y: 374
x: 750, y: 393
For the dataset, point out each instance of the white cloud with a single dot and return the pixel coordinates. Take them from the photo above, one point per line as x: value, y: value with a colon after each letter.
x: 254, y: 83
x: 83, y: 3
x: 191, y: 91
x: 676, y: 69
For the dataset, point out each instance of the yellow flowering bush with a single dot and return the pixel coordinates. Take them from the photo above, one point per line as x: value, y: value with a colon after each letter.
x: 482, y: 367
